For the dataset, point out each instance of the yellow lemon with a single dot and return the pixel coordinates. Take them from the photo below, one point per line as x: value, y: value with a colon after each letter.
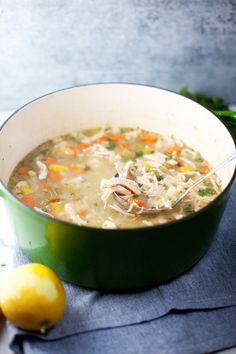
x: 32, y: 297
x: 1, y: 314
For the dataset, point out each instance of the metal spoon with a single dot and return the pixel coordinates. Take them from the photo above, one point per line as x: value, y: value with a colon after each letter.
x: 141, y: 210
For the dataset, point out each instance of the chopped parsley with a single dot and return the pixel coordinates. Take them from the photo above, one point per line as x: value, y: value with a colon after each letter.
x: 159, y: 177
x: 206, y: 192
x: 199, y: 159
x: 207, y: 182
x: 125, y: 130
x: 139, y: 154
x: 187, y: 209
x: 44, y: 208
x: 44, y: 151
x: 135, y: 196
x: 111, y: 145
x: 169, y: 156
x: 55, y: 191
x: 140, y: 185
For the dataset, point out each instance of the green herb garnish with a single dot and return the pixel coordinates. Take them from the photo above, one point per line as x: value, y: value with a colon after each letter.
x: 207, y: 182
x: 199, y: 159
x: 159, y: 177
x: 187, y: 209
x: 125, y: 130
x: 140, y: 185
x: 169, y: 156
x: 135, y: 196
x: 139, y: 153
x: 215, y: 104
x: 44, y: 151
x: 206, y: 192
x: 111, y: 145
x: 44, y: 208
x: 55, y: 191
x: 210, y: 102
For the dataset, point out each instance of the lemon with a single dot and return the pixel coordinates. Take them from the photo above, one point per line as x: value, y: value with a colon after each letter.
x: 32, y: 297
x: 1, y: 314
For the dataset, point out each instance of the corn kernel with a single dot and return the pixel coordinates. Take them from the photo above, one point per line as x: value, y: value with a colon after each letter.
x: 148, y: 150
x: 26, y: 190
x: 55, y: 206
x: 147, y: 166
x: 185, y: 169
x: 58, y: 168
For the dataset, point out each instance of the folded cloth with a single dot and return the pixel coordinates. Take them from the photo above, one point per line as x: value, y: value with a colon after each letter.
x: 193, y: 332
x: 194, y: 313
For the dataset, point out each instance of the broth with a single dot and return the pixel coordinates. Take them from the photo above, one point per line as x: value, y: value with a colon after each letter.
x: 71, y: 177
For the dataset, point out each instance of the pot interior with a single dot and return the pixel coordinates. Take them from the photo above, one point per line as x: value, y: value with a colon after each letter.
x: 117, y: 105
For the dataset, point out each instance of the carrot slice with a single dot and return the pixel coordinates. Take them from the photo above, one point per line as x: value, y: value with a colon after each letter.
x: 75, y: 148
x: 83, y: 146
x: 55, y: 176
x: 172, y: 149
x: 29, y: 200
x: 116, y: 137
x: 204, y: 169
x: 54, y: 199
x: 23, y: 170
x: 83, y: 213
x: 49, y: 160
x: 148, y: 138
x: 76, y: 169
x: 101, y: 139
x: 123, y: 145
x: 139, y: 202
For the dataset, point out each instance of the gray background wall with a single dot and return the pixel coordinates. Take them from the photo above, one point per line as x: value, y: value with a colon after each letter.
x: 50, y: 44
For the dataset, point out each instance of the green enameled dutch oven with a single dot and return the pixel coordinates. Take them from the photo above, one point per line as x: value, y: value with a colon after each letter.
x: 125, y: 258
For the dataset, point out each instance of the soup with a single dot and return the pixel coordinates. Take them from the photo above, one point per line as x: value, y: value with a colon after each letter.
x: 74, y: 177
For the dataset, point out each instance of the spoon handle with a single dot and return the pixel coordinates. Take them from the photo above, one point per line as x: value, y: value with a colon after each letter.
x: 222, y: 164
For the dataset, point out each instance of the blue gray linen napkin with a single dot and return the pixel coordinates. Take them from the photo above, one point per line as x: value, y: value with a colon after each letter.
x: 194, y: 313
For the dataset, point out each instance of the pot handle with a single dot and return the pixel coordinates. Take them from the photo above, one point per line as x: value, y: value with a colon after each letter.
x: 227, y: 115
x: 229, y: 118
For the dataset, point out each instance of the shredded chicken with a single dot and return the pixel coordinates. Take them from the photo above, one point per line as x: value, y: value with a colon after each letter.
x: 31, y: 173
x: 157, y: 157
x: 21, y: 184
x: 123, y: 169
x: 70, y: 210
x: 125, y: 182
x: 43, y: 171
x: 149, y: 171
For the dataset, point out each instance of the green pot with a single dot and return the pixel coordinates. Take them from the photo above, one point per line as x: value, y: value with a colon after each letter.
x: 126, y: 258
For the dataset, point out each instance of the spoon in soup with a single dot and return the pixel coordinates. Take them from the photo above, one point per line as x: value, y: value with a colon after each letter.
x: 136, y: 209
